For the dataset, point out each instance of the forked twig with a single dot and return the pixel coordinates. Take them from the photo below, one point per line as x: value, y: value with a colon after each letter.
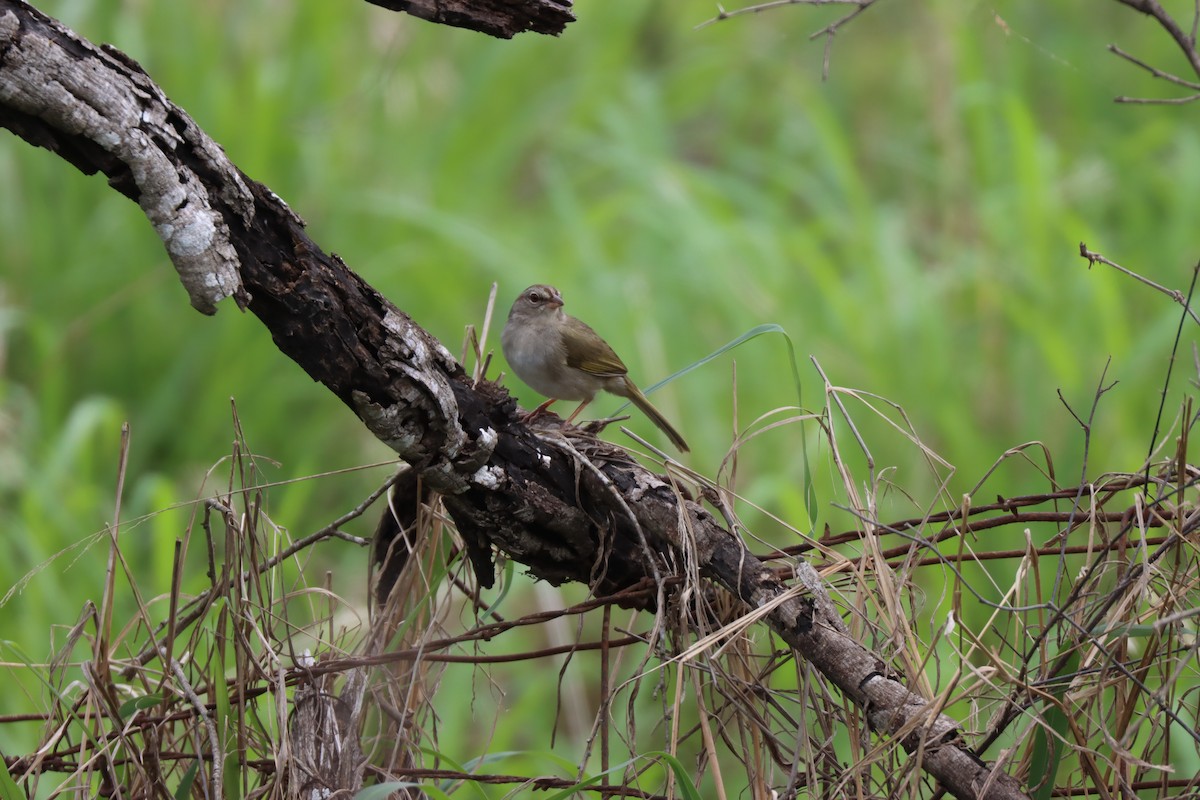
x: 1185, y: 42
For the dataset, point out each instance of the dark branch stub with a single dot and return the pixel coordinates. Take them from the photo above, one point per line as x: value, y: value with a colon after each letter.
x: 503, y: 19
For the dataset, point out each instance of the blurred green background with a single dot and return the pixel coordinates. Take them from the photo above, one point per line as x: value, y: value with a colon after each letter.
x: 912, y: 222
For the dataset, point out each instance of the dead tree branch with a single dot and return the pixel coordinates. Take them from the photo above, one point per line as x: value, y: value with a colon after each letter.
x: 503, y: 19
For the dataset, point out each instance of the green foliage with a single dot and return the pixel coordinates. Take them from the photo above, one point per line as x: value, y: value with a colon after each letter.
x: 912, y: 223
x: 8, y: 787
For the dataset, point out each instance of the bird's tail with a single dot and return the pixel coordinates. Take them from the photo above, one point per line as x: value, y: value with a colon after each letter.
x: 638, y: 399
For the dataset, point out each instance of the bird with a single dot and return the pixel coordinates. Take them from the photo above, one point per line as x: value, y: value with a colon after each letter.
x: 562, y: 358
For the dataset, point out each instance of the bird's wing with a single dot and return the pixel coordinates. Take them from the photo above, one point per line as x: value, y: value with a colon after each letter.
x: 586, y: 351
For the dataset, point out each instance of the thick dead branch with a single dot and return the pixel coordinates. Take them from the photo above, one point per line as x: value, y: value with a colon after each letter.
x: 503, y: 19
x: 99, y: 110
x: 568, y: 507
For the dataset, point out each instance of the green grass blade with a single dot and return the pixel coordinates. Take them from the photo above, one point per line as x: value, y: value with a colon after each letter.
x: 8, y: 787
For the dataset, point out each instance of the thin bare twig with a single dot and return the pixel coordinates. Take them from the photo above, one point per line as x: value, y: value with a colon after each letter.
x: 1155, y: 71
x: 1185, y: 42
x: 1174, y: 294
x: 758, y: 8
x: 829, y: 31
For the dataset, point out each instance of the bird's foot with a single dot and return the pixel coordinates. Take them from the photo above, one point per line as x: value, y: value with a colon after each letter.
x: 530, y: 416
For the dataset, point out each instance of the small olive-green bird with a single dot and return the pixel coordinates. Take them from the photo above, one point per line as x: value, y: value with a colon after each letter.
x: 564, y: 359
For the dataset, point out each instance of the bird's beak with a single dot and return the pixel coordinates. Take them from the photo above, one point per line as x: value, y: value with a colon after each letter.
x: 555, y: 302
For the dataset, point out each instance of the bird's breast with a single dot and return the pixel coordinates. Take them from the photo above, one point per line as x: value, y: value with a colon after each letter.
x: 539, y: 358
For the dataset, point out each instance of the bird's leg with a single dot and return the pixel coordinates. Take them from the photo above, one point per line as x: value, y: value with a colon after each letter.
x: 537, y: 411
x: 575, y: 413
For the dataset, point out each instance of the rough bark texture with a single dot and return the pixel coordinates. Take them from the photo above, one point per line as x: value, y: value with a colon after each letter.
x: 501, y: 18
x: 568, y: 507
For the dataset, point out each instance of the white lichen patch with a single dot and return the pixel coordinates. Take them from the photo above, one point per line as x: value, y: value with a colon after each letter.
x: 488, y: 477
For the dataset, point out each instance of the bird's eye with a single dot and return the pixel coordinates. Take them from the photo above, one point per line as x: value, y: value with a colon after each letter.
x: 535, y: 298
